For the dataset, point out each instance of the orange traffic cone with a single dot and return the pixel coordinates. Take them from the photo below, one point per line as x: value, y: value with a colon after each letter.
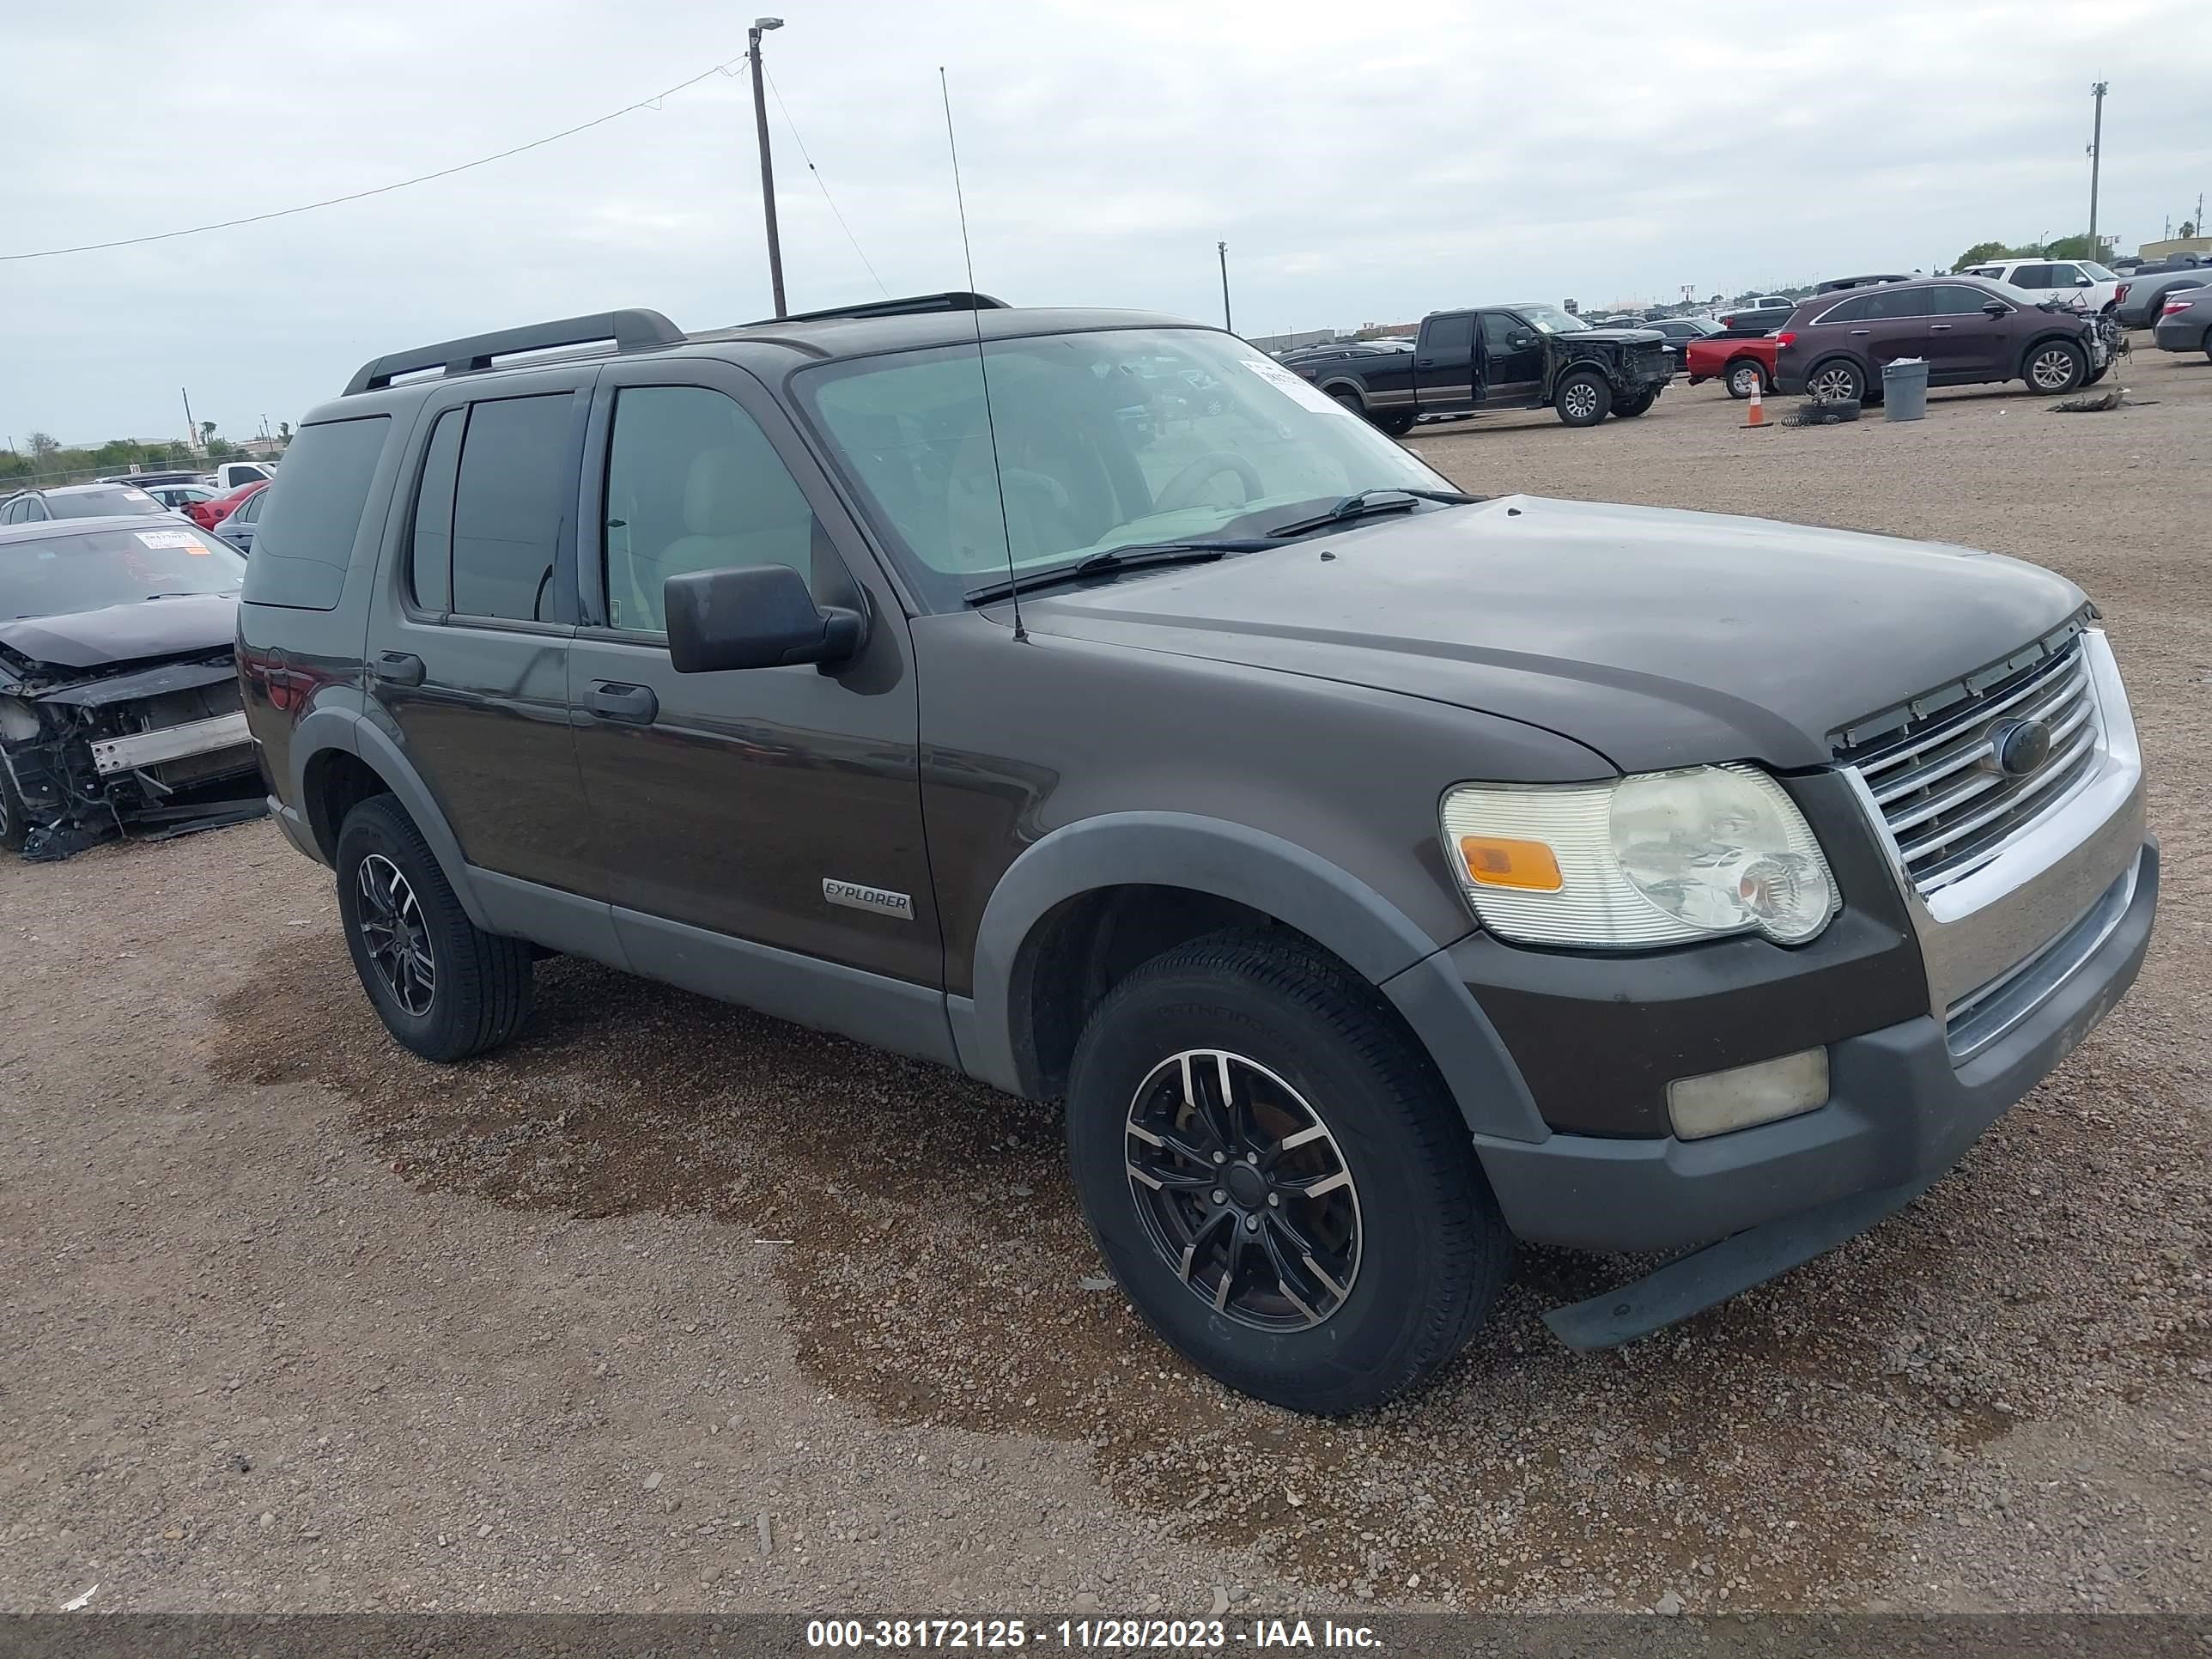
x: 1756, y: 414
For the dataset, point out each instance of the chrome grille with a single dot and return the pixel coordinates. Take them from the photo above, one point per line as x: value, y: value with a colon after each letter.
x: 1948, y: 805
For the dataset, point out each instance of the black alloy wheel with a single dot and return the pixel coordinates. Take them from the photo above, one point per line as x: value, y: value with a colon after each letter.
x: 395, y: 935
x: 1243, y: 1187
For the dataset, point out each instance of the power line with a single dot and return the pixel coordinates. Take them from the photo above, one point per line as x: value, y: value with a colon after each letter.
x: 386, y: 189
x: 818, y: 180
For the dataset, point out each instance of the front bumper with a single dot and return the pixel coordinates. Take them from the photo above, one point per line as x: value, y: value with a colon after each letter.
x: 1900, y: 1112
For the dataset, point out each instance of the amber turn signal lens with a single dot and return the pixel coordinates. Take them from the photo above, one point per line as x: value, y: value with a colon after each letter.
x: 1495, y: 861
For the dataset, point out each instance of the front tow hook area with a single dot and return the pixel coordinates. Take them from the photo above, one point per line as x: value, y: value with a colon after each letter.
x: 1707, y: 1277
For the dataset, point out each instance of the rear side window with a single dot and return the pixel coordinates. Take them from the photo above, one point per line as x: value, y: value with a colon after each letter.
x: 1451, y: 336
x: 430, y: 555
x: 513, y: 487
x: 1853, y: 310
x: 1895, y: 303
x: 306, y: 537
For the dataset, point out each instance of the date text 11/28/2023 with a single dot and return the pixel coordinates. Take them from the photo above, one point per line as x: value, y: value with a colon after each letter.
x: 1087, y: 1635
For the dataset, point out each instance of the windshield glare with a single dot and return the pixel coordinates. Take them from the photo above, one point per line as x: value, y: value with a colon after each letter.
x: 91, y: 569
x: 1553, y: 320
x: 1103, y: 440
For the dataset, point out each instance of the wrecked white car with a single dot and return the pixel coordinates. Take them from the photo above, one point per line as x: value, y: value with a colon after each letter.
x: 119, y: 710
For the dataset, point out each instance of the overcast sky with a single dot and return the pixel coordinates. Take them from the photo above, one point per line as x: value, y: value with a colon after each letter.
x: 1363, y: 162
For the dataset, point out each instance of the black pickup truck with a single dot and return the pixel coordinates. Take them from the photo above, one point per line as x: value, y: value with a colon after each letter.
x: 1511, y: 357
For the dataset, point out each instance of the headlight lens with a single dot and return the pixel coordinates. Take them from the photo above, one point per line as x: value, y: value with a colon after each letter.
x: 1658, y: 858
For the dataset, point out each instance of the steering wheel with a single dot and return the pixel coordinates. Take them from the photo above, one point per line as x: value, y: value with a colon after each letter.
x: 1181, y: 491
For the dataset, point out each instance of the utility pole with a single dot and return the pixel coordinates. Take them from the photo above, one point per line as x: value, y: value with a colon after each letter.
x: 2096, y: 161
x: 1222, y: 248
x: 192, y: 432
x: 768, y: 168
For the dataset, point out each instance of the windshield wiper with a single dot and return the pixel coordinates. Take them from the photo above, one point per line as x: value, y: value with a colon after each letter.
x: 1361, y: 503
x: 1119, y: 558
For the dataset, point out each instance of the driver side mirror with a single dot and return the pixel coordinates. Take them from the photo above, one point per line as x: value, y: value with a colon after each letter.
x: 2083, y: 281
x: 1994, y: 307
x: 1520, y: 342
x: 757, y: 616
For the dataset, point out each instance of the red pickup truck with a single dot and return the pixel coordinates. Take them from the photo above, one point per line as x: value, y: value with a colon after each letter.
x: 1740, y: 364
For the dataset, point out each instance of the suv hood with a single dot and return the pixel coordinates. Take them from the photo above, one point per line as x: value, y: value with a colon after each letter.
x: 1658, y: 638
x: 120, y: 634
x: 1610, y: 336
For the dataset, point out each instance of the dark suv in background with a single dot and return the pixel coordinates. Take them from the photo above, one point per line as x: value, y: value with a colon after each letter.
x: 1967, y: 330
x: 1380, y: 872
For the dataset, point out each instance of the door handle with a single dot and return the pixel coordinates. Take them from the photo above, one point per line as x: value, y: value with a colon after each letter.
x: 1936, y: 327
x: 617, y: 700
x: 1862, y: 331
x: 399, y: 668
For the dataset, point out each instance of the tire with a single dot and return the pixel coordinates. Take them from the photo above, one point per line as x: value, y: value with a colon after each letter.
x: 1582, y: 398
x: 14, y: 819
x: 1743, y: 375
x: 2053, y: 367
x: 1411, y: 1225
x: 1839, y: 380
x: 1352, y: 401
x: 478, y: 989
x: 2097, y: 374
x: 1629, y: 409
x: 1398, y: 423
x: 2208, y: 345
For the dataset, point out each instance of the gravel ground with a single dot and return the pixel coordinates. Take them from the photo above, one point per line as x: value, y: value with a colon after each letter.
x: 672, y: 1306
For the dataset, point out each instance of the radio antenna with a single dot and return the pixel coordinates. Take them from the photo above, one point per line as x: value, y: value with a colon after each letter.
x: 982, y: 365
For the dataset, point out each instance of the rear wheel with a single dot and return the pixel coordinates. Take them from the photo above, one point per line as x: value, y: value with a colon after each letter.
x: 1397, y: 423
x: 443, y: 986
x: 1277, y: 1176
x: 1352, y: 401
x: 1745, y: 377
x: 1835, y: 381
x: 2055, y: 366
x: 1583, y: 399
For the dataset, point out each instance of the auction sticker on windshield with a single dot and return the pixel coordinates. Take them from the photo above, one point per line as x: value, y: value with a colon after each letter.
x: 1311, y: 396
x: 170, y: 538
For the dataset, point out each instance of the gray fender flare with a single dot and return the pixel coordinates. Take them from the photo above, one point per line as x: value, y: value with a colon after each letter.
x: 1275, y: 876
x: 328, y: 727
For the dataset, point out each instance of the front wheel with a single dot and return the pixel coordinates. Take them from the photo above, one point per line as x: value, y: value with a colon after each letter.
x: 1629, y: 408
x: 1277, y: 1177
x: 2097, y: 373
x: 443, y: 986
x: 1583, y: 399
x: 2055, y: 366
x: 15, y: 820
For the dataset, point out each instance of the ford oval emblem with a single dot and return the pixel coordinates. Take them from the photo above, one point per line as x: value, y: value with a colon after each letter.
x: 2019, y: 747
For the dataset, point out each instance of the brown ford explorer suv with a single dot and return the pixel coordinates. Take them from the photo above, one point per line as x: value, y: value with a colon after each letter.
x: 1966, y: 329
x: 1380, y: 873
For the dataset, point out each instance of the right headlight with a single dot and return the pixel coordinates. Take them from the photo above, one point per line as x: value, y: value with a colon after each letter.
x: 1662, y: 858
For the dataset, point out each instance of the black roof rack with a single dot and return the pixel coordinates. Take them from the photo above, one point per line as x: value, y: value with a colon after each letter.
x: 629, y: 330
x: 915, y: 305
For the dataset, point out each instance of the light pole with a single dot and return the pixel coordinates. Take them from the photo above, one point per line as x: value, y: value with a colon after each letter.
x: 2096, y: 156
x: 1222, y: 248
x: 760, y: 24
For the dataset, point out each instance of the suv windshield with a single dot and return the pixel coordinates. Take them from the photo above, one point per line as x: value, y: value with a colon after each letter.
x: 100, y: 503
x: 1103, y: 440
x: 1553, y: 320
x: 2090, y: 269
x: 90, y: 569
